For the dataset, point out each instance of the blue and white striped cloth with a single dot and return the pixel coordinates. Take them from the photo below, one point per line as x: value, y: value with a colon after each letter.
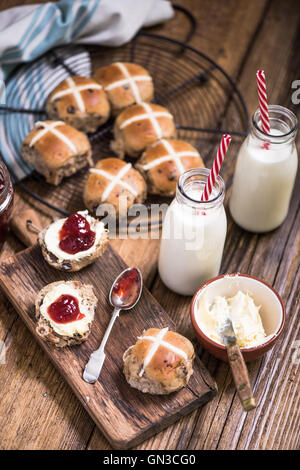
x: 29, y: 31
x: 28, y: 88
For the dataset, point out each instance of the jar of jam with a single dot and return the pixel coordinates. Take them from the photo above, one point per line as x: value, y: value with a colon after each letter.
x: 6, y: 201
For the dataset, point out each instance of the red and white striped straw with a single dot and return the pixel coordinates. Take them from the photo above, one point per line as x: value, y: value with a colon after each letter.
x: 215, y: 169
x: 263, y: 103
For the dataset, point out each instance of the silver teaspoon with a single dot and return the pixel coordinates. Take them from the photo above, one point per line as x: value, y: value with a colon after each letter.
x: 124, y: 295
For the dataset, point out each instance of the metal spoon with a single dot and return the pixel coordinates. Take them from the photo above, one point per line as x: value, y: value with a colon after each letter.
x: 124, y: 295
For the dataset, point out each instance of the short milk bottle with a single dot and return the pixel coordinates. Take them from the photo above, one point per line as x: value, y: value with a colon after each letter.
x: 265, y: 172
x: 193, y: 234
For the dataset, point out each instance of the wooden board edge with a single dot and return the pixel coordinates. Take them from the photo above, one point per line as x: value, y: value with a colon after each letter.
x: 12, y: 257
x: 200, y: 401
x: 206, y: 377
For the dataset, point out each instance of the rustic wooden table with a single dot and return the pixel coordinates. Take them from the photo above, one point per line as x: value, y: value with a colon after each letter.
x: 39, y: 411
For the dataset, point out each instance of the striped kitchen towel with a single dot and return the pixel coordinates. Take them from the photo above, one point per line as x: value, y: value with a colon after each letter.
x: 28, y: 32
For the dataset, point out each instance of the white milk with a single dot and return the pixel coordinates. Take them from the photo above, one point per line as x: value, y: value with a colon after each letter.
x: 263, y: 180
x: 193, y: 238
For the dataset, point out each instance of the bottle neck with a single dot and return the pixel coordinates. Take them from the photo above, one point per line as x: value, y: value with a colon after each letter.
x: 283, y: 124
x: 190, y: 187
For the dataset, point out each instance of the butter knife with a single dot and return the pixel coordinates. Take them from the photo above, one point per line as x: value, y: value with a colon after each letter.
x: 238, y: 366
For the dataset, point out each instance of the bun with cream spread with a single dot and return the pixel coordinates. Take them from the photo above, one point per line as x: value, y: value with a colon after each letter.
x: 72, y: 243
x: 65, y: 311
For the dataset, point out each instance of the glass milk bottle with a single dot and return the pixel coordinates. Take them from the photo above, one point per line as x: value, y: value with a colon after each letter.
x: 193, y: 234
x: 265, y: 172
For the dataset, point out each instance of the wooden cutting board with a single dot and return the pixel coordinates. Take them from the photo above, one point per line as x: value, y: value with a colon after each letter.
x: 125, y: 415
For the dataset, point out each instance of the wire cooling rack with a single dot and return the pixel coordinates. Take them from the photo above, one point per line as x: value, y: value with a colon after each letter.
x: 203, y: 98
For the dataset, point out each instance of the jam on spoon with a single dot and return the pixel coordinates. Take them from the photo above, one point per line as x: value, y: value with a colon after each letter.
x: 76, y: 235
x: 65, y: 309
x: 127, y: 287
x: 124, y: 295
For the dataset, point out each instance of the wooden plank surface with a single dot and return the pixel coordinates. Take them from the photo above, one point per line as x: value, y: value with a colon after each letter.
x: 39, y: 411
x: 125, y: 415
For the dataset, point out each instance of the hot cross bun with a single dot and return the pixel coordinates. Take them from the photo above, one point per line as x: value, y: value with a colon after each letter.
x: 80, y: 102
x: 114, y: 182
x: 125, y: 84
x: 56, y: 150
x: 139, y: 126
x: 160, y: 362
x: 163, y: 162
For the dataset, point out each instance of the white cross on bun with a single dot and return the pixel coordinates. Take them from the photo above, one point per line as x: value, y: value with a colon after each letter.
x: 161, y: 362
x: 125, y: 84
x: 111, y: 180
x: 80, y: 102
x: 56, y: 150
x: 65, y: 334
x: 163, y: 162
x: 139, y: 126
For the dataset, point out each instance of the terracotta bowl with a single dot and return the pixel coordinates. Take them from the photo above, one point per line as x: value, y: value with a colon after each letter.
x: 272, y: 311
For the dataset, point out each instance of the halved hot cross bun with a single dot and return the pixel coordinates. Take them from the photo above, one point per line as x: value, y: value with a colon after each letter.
x: 163, y: 162
x: 115, y: 182
x: 160, y: 362
x: 80, y: 102
x: 56, y: 150
x: 65, y: 312
x: 74, y: 242
x: 140, y: 126
x: 125, y: 84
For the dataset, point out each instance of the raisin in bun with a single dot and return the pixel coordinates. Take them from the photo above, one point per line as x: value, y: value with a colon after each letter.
x: 163, y: 162
x: 139, y: 126
x: 72, y: 243
x: 160, y: 362
x: 77, y: 327
x: 56, y: 150
x: 114, y: 182
x: 125, y: 84
x: 80, y: 102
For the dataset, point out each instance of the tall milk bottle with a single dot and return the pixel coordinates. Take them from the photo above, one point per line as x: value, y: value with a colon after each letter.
x: 265, y: 172
x: 193, y: 234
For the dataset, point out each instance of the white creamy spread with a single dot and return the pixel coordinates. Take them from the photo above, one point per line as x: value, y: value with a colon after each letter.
x: 52, y: 238
x: 77, y: 326
x: 243, y: 313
